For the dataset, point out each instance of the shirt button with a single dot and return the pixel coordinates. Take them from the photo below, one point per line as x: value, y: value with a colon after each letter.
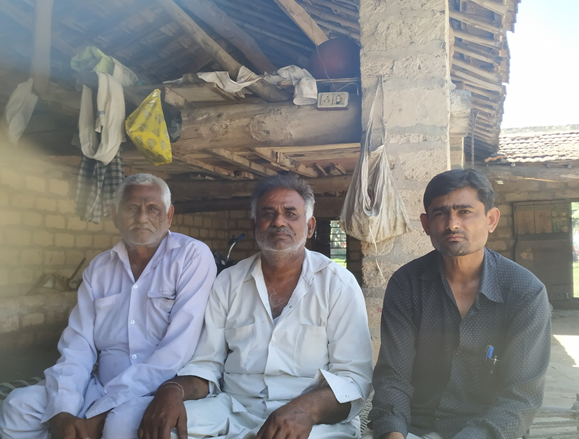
x: 135, y: 286
x: 132, y: 322
x: 134, y: 356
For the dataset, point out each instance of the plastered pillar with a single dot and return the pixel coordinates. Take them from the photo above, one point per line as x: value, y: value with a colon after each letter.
x: 406, y: 42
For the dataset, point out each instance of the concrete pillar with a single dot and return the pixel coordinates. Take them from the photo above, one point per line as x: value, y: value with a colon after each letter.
x: 456, y: 152
x: 405, y: 41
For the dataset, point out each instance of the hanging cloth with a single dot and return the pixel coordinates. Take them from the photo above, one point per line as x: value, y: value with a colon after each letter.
x: 109, y: 121
x: 96, y: 187
x: 18, y: 111
x: 373, y: 210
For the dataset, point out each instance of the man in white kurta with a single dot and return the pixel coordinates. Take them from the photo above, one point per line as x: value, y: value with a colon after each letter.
x: 140, y: 323
x: 267, y: 367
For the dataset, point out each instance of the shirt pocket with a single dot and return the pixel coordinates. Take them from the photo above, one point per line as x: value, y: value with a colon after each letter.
x: 240, y: 341
x: 159, y: 306
x: 311, y: 350
x: 108, y: 323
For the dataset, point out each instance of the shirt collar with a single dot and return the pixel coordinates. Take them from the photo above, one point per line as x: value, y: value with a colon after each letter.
x: 489, y: 284
x: 310, y: 266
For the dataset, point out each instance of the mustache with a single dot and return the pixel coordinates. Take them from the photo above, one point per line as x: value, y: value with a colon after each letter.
x: 282, y: 229
x: 452, y: 233
x: 141, y: 226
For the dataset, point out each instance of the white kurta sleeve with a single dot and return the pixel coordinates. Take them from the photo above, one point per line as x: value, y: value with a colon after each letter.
x: 67, y: 380
x: 177, y: 345
x: 209, y: 359
x: 349, y: 346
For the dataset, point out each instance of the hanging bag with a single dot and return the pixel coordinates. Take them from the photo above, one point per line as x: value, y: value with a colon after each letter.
x: 373, y: 210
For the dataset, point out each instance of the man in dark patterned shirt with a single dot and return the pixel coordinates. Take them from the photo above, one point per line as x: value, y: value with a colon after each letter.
x: 465, y: 331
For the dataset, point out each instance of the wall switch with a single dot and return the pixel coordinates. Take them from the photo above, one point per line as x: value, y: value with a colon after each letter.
x: 333, y: 100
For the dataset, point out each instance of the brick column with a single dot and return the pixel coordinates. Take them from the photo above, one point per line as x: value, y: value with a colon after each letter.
x: 405, y: 41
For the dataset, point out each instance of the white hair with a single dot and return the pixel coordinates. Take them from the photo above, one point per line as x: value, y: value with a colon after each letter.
x: 284, y: 182
x: 143, y: 180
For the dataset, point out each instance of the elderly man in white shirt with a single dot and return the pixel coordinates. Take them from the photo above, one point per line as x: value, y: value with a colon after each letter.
x: 139, y: 316
x: 286, y: 351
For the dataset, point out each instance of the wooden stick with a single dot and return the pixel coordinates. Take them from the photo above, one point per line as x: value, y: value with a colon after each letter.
x: 242, y: 162
x: 261, y: 88
x: 224, y: 26
x: 40, y: 63
x: 282, y: 161
x: 490, y: 75
x: 471, y: 21
x: 303, y: 20
x: 489, y: 42
x: 497, y: 7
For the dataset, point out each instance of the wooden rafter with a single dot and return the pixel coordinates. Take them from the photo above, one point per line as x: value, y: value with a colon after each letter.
x: 242, y: 162
x: 487, y: 74
x: 492, y: 5
x: 24, y: 20
x: 474, y: 22
x: 262, y: 88
x: 485, y: 57
x: 224, y: 26
x: 464, y: 76
x: 282, y: 161
x: 489, y: 42
x: 303, y: 20
x: 213, y: 170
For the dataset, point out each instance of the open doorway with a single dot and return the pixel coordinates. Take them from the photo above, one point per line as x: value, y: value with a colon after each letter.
x: 575, y: 232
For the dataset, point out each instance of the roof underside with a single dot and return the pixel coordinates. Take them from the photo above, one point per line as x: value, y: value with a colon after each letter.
x: 144, y: 37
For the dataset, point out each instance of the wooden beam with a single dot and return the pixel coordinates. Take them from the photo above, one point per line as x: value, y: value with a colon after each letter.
x: 281, y: 161
x: 224, y: 26
x: 488, y: 42
x: 325, y: 206
x: 242, y: 162
x: 309, y: 148
x: 488, y: 58
x: 477, y: 81
x: 40, y: 62
x: 474, y: 22
x: 494, y: 6
x: 490, y: 75
x: 213, y: 170
x: 242, y: 126
x: 25, y: 21
x: 218, y: 190
x: 261, y: 88
x: 303, y: 20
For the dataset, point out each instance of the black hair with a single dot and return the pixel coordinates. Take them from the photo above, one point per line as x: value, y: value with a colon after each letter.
x: 449, y: 181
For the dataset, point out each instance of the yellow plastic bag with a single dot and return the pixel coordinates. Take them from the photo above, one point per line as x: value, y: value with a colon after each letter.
x: 147, y: 129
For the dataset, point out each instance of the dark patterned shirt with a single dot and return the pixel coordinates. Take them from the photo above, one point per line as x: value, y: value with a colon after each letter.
x: 431, y: 373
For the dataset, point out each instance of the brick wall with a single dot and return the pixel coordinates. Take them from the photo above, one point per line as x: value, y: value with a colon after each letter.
x: 40, y: 234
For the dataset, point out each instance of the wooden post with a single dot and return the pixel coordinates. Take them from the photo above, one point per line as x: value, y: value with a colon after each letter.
x: 40, y: 64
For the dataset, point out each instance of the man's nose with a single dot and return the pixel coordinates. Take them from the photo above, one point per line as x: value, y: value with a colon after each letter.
x: 279, y: 220
x: 141, y: 216
x: 453, y: 221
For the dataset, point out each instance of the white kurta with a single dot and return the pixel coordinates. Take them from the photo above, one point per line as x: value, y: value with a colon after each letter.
x: 321, y: 337
x: 141, y: 331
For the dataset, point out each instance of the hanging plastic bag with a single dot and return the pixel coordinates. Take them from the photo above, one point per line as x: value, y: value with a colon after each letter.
x: 147, y: 129
x: 18, y: 111
x: 373, y: 210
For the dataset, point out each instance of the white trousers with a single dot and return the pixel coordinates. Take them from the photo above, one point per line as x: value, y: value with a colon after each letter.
x: 22, y: 411
x: 223, y: 417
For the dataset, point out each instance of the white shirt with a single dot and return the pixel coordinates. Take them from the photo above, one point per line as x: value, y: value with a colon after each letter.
x: 321, y: 337
x: 141, y: 331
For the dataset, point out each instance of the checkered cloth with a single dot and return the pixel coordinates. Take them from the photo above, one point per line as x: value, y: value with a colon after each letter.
x: 96, y: 187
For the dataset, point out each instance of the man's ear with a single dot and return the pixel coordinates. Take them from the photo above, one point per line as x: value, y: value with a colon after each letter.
x: 493, y: 216
x: 170, y: 214
x: 425, y: 223
x: 114, y: 215
x: 311, y: 226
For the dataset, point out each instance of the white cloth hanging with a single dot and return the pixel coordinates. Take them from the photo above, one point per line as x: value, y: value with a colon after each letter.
x: 109, y: 121
x: 19, y: 110
x: 373, y: 210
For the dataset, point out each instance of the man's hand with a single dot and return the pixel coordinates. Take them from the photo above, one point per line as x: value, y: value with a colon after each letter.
x: 290, y: 421
x: 166, y: 411
x: 67, y: 426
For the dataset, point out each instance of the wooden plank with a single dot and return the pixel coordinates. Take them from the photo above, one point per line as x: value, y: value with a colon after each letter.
x: 210, y: 169
x: 490, y: 75
x: 215, y: 190
x: 261, y: 88
x: 284, y: 162
x: 242, y: 162
x: 40, y: 62
x: 488, y: 42
x: 472, y: 21
x: 25, y: 21
x: 303, y: 20
x: 477, y: 81
x: 309, y: 148
x: 543, y: 221
x: 224, y: 26
x: 497, y: 7
x: 486, y: 57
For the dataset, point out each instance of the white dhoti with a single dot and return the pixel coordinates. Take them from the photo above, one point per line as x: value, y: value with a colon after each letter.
x: 223, y: 417
x: 22, y: 412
